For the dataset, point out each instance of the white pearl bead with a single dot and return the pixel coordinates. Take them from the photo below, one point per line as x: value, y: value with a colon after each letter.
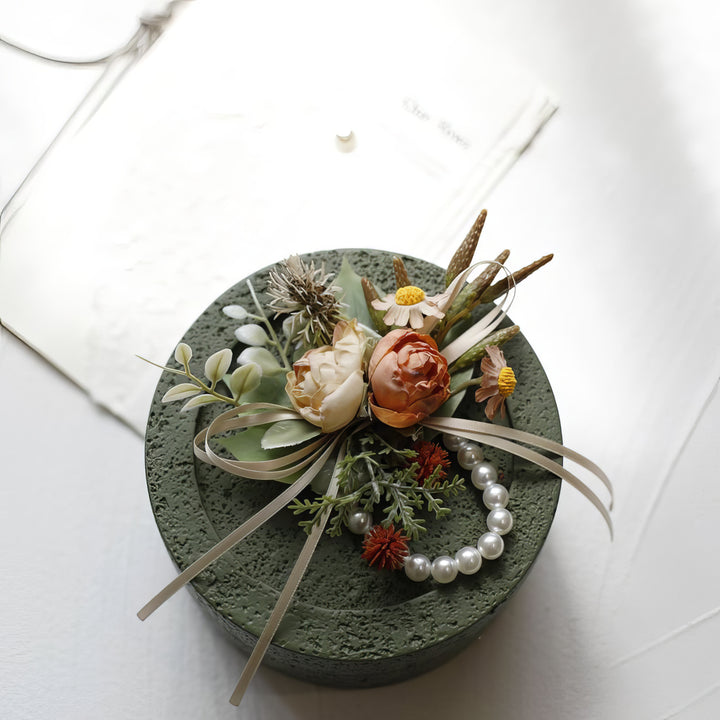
x: 360, y: 522
x: 483, y: 474
x: 417, y: 567
x: 444, y: 569
x: 452, y: 442
x: 491, y: 545
x: 500, y: 521
x: 495, y: 496
x: 468, y: 560
x: 469, y: 455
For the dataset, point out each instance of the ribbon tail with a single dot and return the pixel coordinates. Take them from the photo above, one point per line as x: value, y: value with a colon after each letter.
x: 287, y: 593
x: 502, y: 438
x: 238, y: 534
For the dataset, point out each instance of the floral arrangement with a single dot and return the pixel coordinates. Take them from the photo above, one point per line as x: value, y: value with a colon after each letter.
x: 352, y: 390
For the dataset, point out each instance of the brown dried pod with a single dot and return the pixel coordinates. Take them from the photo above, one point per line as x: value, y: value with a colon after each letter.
x: 502, y: 286
x: 402, y: 278
x: 469, y: 297
x: 375, y: 315
x: 478, y: 351
x: 464, y: 254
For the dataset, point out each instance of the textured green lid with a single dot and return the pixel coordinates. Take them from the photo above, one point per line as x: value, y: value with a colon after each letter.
x: 349, y: 625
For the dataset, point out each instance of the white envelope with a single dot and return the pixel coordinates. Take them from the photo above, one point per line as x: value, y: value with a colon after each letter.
x: 217, y: 154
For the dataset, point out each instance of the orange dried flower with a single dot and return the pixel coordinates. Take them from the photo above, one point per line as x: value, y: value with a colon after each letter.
x: 429, y: 456
x: 385, y: 547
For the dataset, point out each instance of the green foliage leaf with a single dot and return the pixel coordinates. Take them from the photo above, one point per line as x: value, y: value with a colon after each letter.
x: 352, y: 294
x: 252, y: 334
x: 244, y: 380
x: 197, y: 401
x: 183, y: 353
x: 289, y: 432
x: 263, y: 357
x: 181, y: 392
x: 448, y: 408
x: 217, y: 365
x: 271, y: 389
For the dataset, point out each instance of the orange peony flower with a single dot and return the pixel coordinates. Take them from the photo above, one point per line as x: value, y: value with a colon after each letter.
x: 409, y: 378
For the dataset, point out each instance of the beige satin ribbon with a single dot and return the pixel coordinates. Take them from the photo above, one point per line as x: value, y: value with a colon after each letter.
x: 317, y: 453
x: 505, y: 438
x: 288, y: 591
x: 276, y: 469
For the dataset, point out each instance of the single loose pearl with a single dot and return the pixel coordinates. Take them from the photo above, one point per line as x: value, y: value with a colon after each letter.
x: 468, y: 560
x: 495, y: 496
x: 417, y: 567
x: 360, y: 522
x: 444, y: 569
x: 452, y: 442
x: 483, y: 474
x: 491, y: 545
x: 500, y: 521
x: 469, y: 455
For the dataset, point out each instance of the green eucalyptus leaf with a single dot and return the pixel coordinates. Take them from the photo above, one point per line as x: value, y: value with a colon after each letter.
x: 183, y: 353
x: 352, y: 294
x: 244, y: 380
x: 181, y: 392
x: 217, y: 365
x: 263, y: 357
x: 271, y: 389
x: 288, y: 432
x: 197, y: 401
x: 245, y: 446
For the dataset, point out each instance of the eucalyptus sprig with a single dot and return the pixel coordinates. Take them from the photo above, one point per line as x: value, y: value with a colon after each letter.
x: 381, y: 474
x: 243, y: 380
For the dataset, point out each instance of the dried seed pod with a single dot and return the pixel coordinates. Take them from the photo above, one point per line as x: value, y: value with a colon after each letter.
x: 469, y: 297
x: 464, y: 254
x: 502, y: 286
x: 402, y: 278
x: 477, y: 351
x: 375, y: 315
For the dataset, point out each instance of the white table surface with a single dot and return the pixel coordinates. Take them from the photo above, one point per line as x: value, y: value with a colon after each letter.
x: 628, y: 631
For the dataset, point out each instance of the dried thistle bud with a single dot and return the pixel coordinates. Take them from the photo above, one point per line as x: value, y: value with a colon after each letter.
x: 502, y: 286
x: 464, y: 254
x: 402, y: 279
x: 478, y: 351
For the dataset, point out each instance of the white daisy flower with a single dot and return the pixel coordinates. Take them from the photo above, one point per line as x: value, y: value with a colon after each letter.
x: 410, y: 305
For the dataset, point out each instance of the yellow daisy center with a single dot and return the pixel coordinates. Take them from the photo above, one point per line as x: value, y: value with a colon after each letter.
x: 506, y: 381
x: 409, y: 295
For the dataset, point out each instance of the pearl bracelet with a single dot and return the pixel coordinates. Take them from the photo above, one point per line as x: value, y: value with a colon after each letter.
x: 490, y: 545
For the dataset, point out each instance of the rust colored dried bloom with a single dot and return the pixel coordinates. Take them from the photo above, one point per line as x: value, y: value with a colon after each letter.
x: 385, y: 547
x: 429, y: 456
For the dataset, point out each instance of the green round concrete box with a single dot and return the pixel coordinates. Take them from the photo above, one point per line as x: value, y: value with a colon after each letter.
x: 349, y: 625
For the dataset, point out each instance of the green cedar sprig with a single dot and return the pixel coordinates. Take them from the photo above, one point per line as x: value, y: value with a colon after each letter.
x: 379, y: 474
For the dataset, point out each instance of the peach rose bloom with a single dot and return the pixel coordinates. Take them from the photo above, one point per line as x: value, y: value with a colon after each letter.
x: 409, y: 378
x: 326, y: 385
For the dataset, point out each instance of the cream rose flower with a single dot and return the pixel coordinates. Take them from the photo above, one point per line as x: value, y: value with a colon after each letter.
x: 326, y: 385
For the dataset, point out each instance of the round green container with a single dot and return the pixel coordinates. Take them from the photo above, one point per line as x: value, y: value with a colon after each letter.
x: 349, y: 625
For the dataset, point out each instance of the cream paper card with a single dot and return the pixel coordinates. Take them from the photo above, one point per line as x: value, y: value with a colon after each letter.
x: 217, y: 154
